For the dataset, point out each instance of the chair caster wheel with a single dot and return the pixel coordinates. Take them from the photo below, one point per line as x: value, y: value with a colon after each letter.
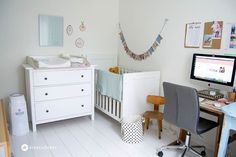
x: 203, y: 153
x: 160, y: 154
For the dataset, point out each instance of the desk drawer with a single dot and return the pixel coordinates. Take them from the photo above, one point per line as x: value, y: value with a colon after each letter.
x: 62, y: 108
x: 61, y: 77
x: 59, y: 92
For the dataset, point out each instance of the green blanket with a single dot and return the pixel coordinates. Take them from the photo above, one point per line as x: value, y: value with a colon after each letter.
x: 109, y: 84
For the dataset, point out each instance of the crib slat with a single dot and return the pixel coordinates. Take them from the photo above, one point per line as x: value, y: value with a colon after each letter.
x: 108, y: 105
x: 97, y: 97
x: 114, y: 106
x: 100, y: 100
x: 105, y: 103
x: 120, y: 109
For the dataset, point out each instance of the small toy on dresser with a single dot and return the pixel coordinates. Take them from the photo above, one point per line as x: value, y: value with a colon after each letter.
x: 115, y: 70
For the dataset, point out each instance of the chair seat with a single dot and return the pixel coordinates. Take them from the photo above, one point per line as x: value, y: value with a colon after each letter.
x: 153, y: 115
x: 205, y: 125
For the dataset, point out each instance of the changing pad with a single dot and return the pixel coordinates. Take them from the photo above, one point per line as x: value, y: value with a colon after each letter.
x: 48, y: 62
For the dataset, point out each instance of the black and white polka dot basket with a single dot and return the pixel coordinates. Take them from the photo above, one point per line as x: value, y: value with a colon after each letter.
x: 132, y: 129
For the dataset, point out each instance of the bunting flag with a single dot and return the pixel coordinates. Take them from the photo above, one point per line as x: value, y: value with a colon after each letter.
x: 145, y: 54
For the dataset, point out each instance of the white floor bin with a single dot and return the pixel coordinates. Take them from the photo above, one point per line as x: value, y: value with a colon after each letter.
x: 18, y: 115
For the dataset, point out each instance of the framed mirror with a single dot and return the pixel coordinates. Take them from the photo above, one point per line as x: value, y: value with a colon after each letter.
x: 50, y: 31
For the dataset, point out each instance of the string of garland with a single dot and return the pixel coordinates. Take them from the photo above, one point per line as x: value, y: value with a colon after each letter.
x: 145, y: 54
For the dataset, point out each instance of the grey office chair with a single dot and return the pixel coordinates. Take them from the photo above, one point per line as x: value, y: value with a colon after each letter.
x: 182, y: 110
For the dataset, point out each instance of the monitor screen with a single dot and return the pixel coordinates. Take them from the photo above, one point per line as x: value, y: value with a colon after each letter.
x: 213, y: 68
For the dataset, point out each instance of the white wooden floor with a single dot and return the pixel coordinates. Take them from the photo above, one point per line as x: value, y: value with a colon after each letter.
x: 81, y: 137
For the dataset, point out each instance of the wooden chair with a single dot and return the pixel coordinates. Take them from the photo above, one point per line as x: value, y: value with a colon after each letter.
x: 156, y: 101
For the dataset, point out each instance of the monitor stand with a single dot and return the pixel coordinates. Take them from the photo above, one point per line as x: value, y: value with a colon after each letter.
x: 210, y: 93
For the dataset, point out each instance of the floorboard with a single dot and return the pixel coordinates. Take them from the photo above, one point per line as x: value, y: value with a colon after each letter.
x: 81, y: 137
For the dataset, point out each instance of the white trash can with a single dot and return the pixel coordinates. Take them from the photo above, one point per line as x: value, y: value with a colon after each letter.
x: 18, y: 115
x: 132, y: 129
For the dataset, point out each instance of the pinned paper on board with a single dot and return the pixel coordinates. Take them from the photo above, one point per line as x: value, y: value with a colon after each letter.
x: 230, y: 36
x: 192, y: 35
x: 212, y: 35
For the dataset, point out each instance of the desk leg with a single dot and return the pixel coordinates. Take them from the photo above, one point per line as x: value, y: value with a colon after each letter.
x: 182, y: 135
x: 224, y: 138
x: 218, y: 134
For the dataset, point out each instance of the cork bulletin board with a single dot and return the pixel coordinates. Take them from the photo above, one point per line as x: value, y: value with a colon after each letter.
x: 212, y: 35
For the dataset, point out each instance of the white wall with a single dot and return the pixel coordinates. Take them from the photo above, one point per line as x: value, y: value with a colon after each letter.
x: 141, y: 21
x: 19, y: 33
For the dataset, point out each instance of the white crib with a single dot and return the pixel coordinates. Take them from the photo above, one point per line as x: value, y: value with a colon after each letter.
x: 135, y: 88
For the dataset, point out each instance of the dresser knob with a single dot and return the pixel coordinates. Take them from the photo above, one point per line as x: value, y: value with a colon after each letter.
x: 45, y: 78
x: 47, y: 111
x: 82, y: 76
x: 82, y: 90
x: 46, y: 94
x: 82, y: 105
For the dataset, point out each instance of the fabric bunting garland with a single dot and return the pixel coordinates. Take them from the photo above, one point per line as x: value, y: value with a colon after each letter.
x: 147, y: 53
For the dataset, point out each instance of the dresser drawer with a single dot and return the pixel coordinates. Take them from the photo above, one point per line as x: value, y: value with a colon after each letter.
x: 59, y: 92
x: 62, y: 108
x: 61, y: 77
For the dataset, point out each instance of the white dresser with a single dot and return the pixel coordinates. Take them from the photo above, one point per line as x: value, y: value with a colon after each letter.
x: 57, y: 94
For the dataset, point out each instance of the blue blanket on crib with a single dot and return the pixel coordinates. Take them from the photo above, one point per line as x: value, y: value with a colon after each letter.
x: 109, y: 84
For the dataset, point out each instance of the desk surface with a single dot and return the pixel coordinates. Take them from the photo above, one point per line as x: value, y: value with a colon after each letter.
x: 230, y: 109
x: 207, y: 105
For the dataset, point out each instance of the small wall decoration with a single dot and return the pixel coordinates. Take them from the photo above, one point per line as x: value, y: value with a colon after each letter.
x: 69, y: 30
x: 147, y: 53
x: 212, y: 35
x: 231, y: 36
x: 79, y: 42
x: 192, y: 35
x: 82, y: 27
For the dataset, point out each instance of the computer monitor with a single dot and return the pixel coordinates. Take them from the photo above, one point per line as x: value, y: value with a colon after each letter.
x: 217, y: 69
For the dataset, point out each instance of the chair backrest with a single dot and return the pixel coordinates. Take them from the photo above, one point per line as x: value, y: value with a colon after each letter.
x: 157, y: 100
x: 182, y: 106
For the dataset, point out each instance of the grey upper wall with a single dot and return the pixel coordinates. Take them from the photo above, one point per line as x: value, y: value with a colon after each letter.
x: 142, y: 20
x: 19, y: 33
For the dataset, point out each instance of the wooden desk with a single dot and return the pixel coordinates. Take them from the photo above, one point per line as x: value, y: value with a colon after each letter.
x: 208, y: 108
x: 4, y: 136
